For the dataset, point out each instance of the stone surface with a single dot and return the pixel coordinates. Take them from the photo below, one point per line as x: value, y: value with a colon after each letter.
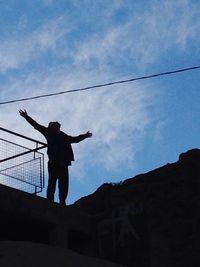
x: 27, y: 254
x: 151, y: 219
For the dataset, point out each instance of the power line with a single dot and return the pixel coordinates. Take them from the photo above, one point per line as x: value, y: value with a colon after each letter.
x: 101, y: 85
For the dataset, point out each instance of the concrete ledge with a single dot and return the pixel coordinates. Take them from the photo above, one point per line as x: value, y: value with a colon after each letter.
x: 26, y: 254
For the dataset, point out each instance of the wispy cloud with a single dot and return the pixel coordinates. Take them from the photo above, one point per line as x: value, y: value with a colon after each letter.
x: 141, y: 39
x: 144, y: 38
x: 167, y: 26
x: 118, y: 116
x: 16, y: 51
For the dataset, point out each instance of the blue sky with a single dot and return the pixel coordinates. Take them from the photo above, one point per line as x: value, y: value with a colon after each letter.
x: 48, y: 46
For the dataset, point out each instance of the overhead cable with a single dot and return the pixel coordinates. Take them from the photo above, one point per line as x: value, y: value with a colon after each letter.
x: 101, y: 85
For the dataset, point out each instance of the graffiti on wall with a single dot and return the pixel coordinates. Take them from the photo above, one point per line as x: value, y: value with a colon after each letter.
x: 120, y: 228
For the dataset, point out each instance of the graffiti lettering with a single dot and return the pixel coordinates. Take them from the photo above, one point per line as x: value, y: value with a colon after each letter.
x: 119, y: 227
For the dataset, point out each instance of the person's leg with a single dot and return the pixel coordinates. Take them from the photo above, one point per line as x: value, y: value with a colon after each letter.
x: 63, y: 184
x: 52, y: 181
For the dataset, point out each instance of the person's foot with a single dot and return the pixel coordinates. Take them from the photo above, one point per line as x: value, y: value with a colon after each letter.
x: 62, y: 203
x: 50, y: 200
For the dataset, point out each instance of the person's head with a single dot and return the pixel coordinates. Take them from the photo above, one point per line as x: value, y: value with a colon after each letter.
x: 54, y: 125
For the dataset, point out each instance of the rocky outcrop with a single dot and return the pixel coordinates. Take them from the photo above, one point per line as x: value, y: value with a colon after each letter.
x: 151, y: 219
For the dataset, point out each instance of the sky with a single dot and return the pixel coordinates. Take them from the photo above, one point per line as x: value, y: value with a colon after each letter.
x: 48, y: 46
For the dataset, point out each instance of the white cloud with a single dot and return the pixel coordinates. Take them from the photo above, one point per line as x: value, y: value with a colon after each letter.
x: 16, y: 51
x: 142, y: 39
x: 118, y: 116
x: 145, y: 37
x: 169, y: 25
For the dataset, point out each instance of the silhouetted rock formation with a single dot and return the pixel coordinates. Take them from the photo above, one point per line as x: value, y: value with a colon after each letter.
x: 151, y: 219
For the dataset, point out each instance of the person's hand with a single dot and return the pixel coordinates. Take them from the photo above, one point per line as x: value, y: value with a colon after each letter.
x: 88, y: 134
x: 23, y: 113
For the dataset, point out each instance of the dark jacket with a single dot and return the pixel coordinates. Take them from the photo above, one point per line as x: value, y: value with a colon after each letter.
x: 59, y: 147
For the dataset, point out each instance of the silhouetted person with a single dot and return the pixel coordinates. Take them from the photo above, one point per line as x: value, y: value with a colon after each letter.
x: 60, y: 155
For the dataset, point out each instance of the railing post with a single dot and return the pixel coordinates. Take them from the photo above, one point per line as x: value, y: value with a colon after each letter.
x: 36, y: 149
x: 35, y: 190
x: 23, y: 162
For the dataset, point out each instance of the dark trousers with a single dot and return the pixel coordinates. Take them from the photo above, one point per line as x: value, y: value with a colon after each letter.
x: 58, y: 171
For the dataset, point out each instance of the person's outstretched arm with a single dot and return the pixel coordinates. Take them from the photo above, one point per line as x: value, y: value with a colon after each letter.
x: 79, y: 138
x: 36, y: 125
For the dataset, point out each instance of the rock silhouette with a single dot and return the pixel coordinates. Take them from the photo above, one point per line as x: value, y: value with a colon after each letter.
x: 153, y: 216
x: 151, y: 219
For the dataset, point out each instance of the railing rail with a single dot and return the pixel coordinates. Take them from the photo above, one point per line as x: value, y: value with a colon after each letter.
x: 22, y: 136
x: 21, y: 163
x: 24, y: 153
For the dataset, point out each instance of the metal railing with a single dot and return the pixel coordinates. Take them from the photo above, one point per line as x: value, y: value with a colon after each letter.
x: 21, y: 167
